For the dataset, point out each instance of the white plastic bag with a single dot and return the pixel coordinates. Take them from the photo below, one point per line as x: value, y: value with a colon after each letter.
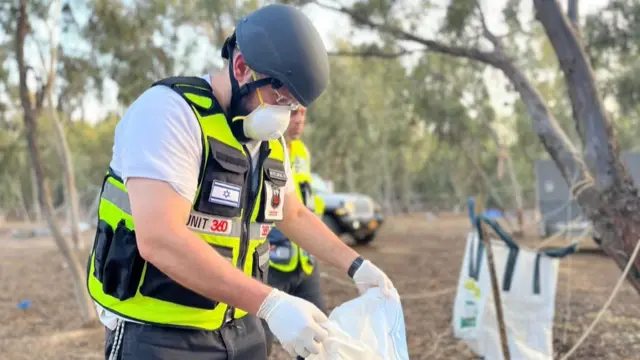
x: 527, y: 280
x: 471, y: 295
x: 367, y: 327
x: 528, y: 291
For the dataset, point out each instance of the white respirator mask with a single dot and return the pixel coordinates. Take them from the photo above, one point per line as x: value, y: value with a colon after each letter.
x: 267, y: 122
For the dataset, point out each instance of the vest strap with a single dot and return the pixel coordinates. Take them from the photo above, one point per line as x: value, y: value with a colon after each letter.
x: 192, y: 85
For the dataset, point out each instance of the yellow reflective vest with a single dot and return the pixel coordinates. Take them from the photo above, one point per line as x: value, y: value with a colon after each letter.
x: 301, y: 170
x: 229, y: 214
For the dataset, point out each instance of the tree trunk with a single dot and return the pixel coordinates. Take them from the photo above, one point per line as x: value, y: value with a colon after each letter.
x: 350, y: 176
x: 461, y: 199
x: 91, y: 216
x: 35, y: 205
x: 485, y: 178
x: 31, y: 113
x: 76, y: 268
x: 407, y: 193
x: 601, y: 151
x: 572, y: 13
x: 613, y: 204
x: 387, y: 180
x: 517, y: 193
x: 69, y: 177
x: 24, y: 212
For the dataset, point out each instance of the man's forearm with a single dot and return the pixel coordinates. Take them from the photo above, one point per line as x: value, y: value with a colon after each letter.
x: 191, y: 262
x: 308, y: 231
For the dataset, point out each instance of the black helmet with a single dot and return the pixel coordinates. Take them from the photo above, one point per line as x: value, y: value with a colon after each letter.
x: 281, y: 42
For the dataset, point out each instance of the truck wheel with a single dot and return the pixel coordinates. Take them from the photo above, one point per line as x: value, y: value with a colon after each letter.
x: 366, y: 240
x: 332, y: 224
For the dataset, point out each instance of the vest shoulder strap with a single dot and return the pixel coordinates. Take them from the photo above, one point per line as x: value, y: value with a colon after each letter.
x: 194, y: 90
x: 198, y: 94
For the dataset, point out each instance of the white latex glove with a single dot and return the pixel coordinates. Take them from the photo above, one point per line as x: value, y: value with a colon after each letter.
x: 368, y: 276
x: 295, y: 322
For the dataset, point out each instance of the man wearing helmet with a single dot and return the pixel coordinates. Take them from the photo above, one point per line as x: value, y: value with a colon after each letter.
x: 199, y: 176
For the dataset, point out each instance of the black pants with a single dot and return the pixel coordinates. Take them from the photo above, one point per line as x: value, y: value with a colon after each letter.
x: 299, y: 284
x: 242, y: 339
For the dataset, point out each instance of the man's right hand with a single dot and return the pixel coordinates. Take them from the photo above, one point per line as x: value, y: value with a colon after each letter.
x: 295, y: 322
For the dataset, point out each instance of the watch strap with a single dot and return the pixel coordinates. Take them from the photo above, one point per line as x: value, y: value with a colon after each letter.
x: 355, y: 265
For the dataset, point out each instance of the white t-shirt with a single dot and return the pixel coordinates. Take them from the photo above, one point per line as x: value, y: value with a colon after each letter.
x: 159, y: 138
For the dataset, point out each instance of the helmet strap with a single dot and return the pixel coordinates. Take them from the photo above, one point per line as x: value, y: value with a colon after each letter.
x: 237, y: 93
x: 236, y: 110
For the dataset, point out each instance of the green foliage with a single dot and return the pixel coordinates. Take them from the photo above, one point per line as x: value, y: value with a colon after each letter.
x: 613, y: 40
x: 131, y: 43
x: 458, y: 14
x: 396, y: 132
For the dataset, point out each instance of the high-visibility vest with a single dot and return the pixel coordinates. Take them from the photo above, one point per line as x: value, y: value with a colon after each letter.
x: 301, y: 170
x: 228, y: 214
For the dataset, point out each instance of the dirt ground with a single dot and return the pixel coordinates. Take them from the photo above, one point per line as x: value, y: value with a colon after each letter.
x: 421, y: 256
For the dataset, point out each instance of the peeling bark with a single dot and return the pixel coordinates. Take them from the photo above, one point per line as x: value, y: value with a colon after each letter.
x: 615, y: 209
x: 601, y: 150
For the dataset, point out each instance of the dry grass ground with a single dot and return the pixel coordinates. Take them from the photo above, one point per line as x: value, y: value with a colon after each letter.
x: 422, y: 257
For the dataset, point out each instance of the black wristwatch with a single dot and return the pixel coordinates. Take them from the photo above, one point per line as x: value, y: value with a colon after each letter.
x: 355, y: 265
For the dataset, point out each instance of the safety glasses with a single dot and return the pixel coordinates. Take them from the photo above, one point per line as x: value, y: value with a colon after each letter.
x: 285, y: 101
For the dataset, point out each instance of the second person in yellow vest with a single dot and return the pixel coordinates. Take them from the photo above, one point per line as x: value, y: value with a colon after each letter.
x: 292, y: 269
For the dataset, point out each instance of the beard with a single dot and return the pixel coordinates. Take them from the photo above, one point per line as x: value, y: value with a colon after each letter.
x: 244, y: 106
x: 241, y: 108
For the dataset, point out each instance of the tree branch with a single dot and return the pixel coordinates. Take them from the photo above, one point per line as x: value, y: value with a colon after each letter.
x: 591, y: 119
x: 491, y: 58
x: 545, y: 125
x: 551, y: 134
x: 572, y: 13
x: 486, y: 32
x: 21, y: 34
x: 372, y: 53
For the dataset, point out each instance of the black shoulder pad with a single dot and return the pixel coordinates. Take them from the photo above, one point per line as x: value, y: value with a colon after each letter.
x: 192, y: 85
x: 192, y: 81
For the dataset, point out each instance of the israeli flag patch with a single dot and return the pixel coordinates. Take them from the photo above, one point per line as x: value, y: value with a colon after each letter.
x: 225, y: 194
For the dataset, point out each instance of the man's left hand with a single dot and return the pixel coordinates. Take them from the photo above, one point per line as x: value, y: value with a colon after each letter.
x: 368, y: 276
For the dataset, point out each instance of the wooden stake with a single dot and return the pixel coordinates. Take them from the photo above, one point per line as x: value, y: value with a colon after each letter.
x: 497, y: 300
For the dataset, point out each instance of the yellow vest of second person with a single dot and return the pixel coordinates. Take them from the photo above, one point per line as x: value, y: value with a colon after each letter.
x: 229, y: 214
x: 301, y: 170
